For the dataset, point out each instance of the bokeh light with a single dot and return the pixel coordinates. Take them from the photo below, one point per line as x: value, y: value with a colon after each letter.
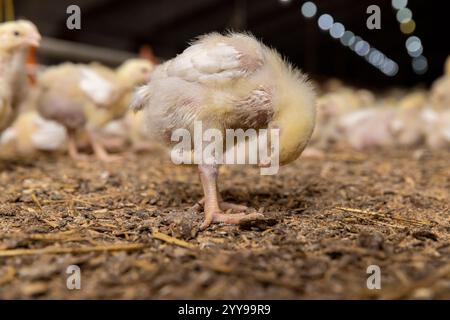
x: 348, y: 38
x: 416, y: 53
x: 404, y: 15
x: 389, y: 68
x: 337, y: 30
x: 408, y: 27
x: 399, y: 4
x: 420, y: 65
x: 413, y: 44
x: 325, y: 22
x: 362, y: 48
x: 356, y: 39
x: 309, y: 9
x: 375, y: 57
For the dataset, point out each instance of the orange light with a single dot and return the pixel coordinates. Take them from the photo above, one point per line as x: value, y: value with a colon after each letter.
x: 408, y: 27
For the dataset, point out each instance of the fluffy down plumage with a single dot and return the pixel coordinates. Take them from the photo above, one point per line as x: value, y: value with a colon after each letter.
x: 230, y: 81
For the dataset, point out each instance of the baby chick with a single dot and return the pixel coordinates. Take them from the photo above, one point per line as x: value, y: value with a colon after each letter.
x: 15, y: 38
x: 334, y: 105
x: 229, y: 81
x: 367, y: 128
x: 86, y: 97
x: 407, y: 125
x: 416, y: 99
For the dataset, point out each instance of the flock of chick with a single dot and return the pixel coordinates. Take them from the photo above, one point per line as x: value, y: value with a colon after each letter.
x: 75, y: 106
x: 357, y: 118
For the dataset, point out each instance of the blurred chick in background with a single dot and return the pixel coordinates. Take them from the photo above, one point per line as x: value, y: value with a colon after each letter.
x: 84, y: 98
x: 437, y: 127
x: 365, y: 129
x: 331, y: 106
x: 128, y: 131
x: 229, y: 81
x: 354, y: 118
x: 16, y: 38
x: 407, y: 125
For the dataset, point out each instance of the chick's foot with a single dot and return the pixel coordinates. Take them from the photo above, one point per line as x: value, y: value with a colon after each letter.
x: 228, y: 218
x: 213, y: 204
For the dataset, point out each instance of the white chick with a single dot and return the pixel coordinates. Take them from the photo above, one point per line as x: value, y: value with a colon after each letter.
x: 331, y: 106
x: 84, y: 98
x: 382, y: 127
x: 367, y: 128
x: 15, y: 38
x: 229, y: 81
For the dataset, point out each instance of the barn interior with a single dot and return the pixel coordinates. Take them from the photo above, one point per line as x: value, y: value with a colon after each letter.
x: 372, y: 187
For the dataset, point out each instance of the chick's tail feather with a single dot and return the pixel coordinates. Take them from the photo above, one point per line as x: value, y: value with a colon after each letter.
x: 140, y: 99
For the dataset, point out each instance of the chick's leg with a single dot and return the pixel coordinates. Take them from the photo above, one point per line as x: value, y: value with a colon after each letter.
x: 99, y: 150
x: 223, y: 205
x: 73, y: 149
x: 213, y: 212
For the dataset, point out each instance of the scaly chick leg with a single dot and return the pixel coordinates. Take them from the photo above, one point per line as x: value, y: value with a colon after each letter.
x: 100, y: 151
x: 213, y: 212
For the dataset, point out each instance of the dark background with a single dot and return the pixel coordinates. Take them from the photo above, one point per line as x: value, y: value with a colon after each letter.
x: 168, y: 25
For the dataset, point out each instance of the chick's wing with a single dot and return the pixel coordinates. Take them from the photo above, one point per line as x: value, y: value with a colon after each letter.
x: 216, y: 59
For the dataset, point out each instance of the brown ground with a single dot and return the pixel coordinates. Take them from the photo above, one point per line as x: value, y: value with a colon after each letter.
x: 316, y: 250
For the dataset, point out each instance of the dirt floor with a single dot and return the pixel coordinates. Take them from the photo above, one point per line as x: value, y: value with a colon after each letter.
x: 128, y: 226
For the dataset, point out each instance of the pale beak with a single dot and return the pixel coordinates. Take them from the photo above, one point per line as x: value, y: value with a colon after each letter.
x: 34, y: 40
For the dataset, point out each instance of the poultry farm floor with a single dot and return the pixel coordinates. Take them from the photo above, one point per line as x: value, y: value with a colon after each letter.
x: 128, y: 227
